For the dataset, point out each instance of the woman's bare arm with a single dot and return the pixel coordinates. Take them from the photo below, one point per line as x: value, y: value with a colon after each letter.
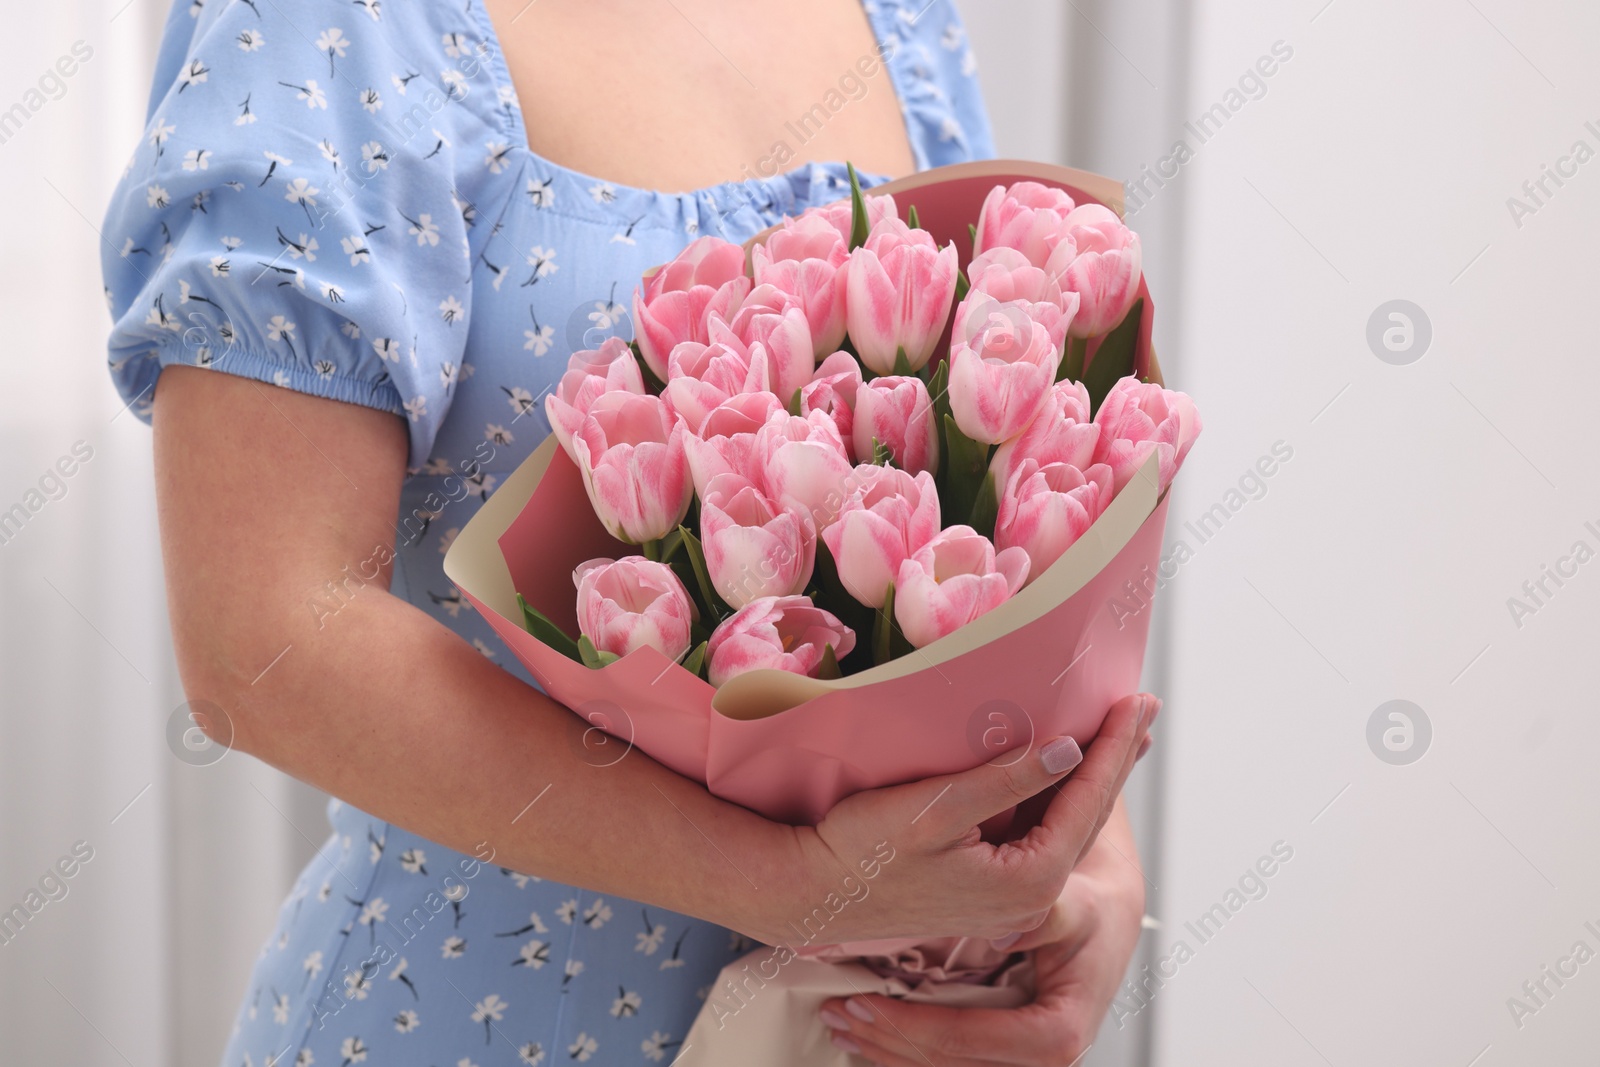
x: 266, y: 496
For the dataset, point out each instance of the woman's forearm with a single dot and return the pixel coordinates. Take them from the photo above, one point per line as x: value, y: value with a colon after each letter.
x: 390, y: 711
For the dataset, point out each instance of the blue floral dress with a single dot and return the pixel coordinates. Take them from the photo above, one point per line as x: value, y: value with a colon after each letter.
x: 335, y: 196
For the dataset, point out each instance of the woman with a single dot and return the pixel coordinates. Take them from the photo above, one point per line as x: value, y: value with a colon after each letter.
x: 345, y: 209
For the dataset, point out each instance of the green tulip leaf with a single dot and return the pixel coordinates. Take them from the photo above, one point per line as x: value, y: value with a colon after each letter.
x: 986, y: 507
x: 1113, y: 360
x: 694, y: 660
x: 592, y: 657
x: 859, y: 226
x: 883, y: 630
x: 911, y: 218
x: 966, y: 465
x: 547, y: 631
x: 829, y: 667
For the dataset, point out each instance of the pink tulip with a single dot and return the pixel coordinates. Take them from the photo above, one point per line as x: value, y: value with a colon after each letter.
x: 1006, y: 275
x: 1045, y: 508
x: 896, y: 411
x: 753, y: 548
x: 777, y: 322
x: 1062, y: 432
x: 839, y: 214
x: 1098, y: 258
x: 804, y: 259
x: 889, y: 515
x: 701, y: 376
x: 803, y: 464
x: 631, y: 452
x: 726, y: 443
x: 898, y: 289
x: 672, y: 305
x: 1027, y: 216
x: 1137, y: 419
x: 632, y: 603
x: 832, y: 390
x: 952, y: 580
x: 999, y: 380
x: 784, y: 633
x: 610, y: 368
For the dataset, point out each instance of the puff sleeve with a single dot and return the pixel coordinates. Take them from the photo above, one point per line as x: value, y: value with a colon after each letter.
x: 295, y: 213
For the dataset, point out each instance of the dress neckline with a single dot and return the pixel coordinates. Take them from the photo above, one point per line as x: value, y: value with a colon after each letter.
x: 756, y: 191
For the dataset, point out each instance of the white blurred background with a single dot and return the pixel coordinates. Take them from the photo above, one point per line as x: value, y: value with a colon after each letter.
x: 1429, y: 877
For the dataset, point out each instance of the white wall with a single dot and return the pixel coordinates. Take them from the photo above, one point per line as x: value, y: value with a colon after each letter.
x: 1379, y: 563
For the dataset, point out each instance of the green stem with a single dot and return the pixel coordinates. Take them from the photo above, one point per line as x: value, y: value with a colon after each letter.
x: 1072, y: 362
x: 652, y: 550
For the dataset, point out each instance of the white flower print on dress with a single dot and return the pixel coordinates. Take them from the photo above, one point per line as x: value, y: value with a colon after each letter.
x: 156, y: 197
x: 626, y: 1005
x: 538, y: 341
x: 414, y: 861
x: 583, y: 1047
x: 488, y: 1011
x: 375, y: 156
x: 655, y: 1046
x: 193, y: 74
x: 531, y: 1054
x: 309, y: 92
x: 407, y: 1021
x: 334, y: 42
x: 357, y: 986
x: 197, y: 159
x: 355, y: 246
x: 597, y: 914
x: 496, y: 159
x: 533, y: 954
x: 450, y: 310
x: 354, y: 1050
x: 280, y: 329
x: 603, y: 193
x: 374, y: 8
x: 453, y: 948
x: 387, y: 348
x: 543, y: 262
x: 416, y: 407
x: 250, y: 40
x: 423, y: 229
x: 541, y: 193
x: 496, y: 434
x: 371, y: 100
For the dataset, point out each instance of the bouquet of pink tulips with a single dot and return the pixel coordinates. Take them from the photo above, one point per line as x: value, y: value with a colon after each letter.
x: 840, y: 432
x: 878, y: 497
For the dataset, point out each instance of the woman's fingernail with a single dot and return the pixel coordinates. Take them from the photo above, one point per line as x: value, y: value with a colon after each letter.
x: 833, y: 1020
x: 1061, y: 755
x: 1003, y: 943
x: 840, y: 1041
x: 1156, y: 711
x: 1144, y: 746
x: 858, y: 1007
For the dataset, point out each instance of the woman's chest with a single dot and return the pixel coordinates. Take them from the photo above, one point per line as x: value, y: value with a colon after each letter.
x: 684, y: 95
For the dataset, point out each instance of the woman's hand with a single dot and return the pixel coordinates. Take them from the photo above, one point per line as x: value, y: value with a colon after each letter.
x: 1080, y: 953
x: 943, y: 878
